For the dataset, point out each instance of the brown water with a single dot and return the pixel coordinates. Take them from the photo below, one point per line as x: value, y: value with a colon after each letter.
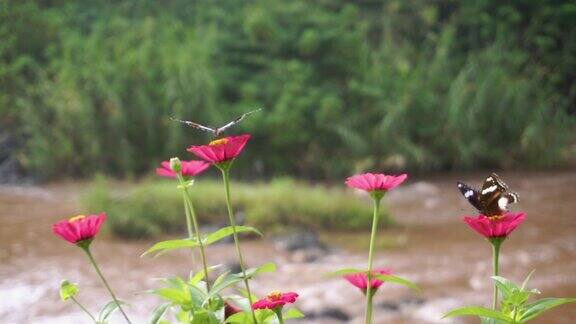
x: 431, y: 246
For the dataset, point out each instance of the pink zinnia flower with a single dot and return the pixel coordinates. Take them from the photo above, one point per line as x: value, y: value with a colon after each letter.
x: 189, y: 169
x: 79, y: 228
x: 275, y: 300
x: 221, y: 150
x: 360, y: 279
x: 375, y: 181
x: 495, y: 226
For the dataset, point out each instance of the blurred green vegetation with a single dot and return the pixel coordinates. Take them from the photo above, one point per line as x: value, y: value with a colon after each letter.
x: 411, y: 84
x: 154, y: 207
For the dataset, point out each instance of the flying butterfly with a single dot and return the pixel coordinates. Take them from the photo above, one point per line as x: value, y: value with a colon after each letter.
x: 216, y: 131
x: 493, y: 199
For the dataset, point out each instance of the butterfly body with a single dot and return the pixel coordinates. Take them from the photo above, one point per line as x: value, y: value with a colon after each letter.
x: 219, y: 130
x: 493, y: 199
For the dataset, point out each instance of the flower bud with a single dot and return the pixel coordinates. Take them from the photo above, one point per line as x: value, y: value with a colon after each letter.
x: 175, y: 165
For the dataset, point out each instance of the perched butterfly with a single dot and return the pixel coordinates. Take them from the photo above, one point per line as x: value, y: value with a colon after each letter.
x: 493, y: 199
x: 216, y: 131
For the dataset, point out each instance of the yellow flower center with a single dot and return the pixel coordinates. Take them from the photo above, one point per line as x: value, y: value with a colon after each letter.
x: 274, y: 295
x: 76, y: 218
x: 220, y: 141
x: 496, y: 217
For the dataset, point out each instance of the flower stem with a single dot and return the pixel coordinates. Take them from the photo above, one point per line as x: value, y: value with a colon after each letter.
x: 84, y: 309
x: 496, y: 243
x: 192, y: 221
x: 226, y: 179
x: 369, y: 293
x: 278, y: 312
x: 87, y: 250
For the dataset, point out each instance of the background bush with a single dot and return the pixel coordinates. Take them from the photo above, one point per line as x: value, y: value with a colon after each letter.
x: 155, y: 207
x: 419, y: 85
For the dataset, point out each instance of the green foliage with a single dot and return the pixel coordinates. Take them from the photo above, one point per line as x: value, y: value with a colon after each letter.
x: 154, y: 207
x: 191, y: 302
x: 514, y: 308
x: 344, y: 86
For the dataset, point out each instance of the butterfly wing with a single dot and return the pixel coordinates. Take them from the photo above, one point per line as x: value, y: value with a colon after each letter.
x: 196, y: 125
x: 492, y: 196
x: 235, y: 121
x: 471, y: 194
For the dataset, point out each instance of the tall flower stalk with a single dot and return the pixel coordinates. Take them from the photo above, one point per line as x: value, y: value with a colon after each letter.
x: 377, y: 185
x: 178, y: 169
x: 222, y: 153
x: 192, y: 222
x: 225, y: 168
x: 496, y: 243
x: 376, y: 197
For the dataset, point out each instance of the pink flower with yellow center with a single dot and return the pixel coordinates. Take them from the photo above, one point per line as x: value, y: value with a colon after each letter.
x: 221, y: 150
x: 275, y: 300
x: 495, y: 226
x: 375, y: 181
x: 360, y: 279
x: 189, y: 169
x: 79, y: 228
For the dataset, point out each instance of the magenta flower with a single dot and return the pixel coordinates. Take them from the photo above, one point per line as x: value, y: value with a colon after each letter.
x: 189, y: 169
x: 360, y: 279
x: 275, y: 300
x: 79, y: 228
x: 495, y: 226
x: 375, y: 181
x: 221, y: 150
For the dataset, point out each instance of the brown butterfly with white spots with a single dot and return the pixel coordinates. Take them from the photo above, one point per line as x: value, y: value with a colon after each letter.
x: 216, y: 131
x: 492, y: 200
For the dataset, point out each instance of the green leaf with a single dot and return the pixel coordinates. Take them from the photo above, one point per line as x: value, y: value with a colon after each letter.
x: 239, y: 318
x: 165, y: 246
x: 227, y: 231
x: 68, y: 290
x: 478, y: 311
x: 222, y: 283
x: 293, y: 313
x: 505, y: 286
x: 538, y: 307
x: 108, y: 310
x: 525, y: 283
x: 397, y: 280
x: 158, y: 313
x: 253, y: 272
x: 203, y: 316
x: 169, y: 245
x: 201, y: 275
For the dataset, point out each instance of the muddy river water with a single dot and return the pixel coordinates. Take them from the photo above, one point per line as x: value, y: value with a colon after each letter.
x: 430, y: 245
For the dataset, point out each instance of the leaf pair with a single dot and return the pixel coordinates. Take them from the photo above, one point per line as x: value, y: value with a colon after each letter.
x: 515, y: 307
x: 169, y: 245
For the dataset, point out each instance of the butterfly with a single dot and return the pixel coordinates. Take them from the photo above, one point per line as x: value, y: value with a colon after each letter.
x: 492, y: 200
x: 216, y: 131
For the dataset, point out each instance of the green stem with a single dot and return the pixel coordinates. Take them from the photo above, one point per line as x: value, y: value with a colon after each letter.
x: 192, y: 221
x: 278, y: 312
x: 87, y: 250
x: 496, y: 255
x: 369, y: 293
x: 84, y: 309
x: 226, y: 179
